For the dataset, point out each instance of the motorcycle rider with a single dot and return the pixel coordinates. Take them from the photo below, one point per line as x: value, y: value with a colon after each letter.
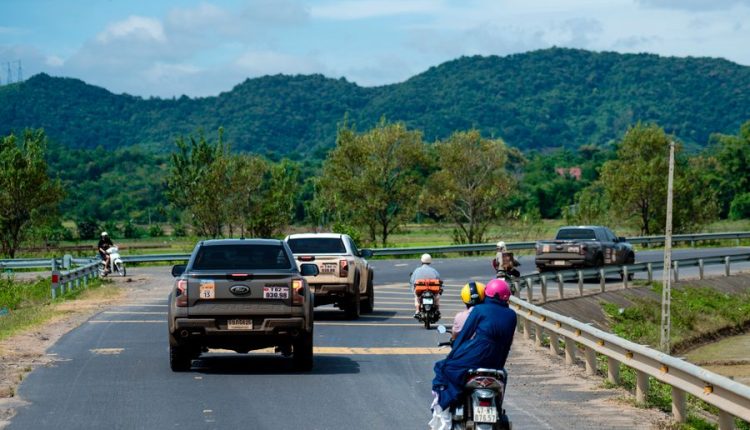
x: 505, y: 260
x: 471, y: 294
x: 104, y: 243
x: 424, y: 271
x: 484, y: 341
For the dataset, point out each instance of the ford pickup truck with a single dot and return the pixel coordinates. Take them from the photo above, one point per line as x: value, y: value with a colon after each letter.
x: 583, y: 246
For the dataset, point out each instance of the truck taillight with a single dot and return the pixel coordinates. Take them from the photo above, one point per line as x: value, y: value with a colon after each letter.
x: 181, y: 293
x: 343, y: 268
x: 583, y: 250
x: 298, y: 291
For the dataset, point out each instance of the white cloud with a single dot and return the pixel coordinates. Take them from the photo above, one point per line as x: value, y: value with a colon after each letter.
x: 54, y: 61
x: 257, y: 63
x: 353, y: 10
x: 134, y: 27
x: 694, y: 5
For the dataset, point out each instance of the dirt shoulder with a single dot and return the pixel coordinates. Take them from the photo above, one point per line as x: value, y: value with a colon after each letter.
x: 25, y: 351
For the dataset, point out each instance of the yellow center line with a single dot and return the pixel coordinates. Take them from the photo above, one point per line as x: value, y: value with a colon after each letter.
x: 382, y: 324
x: 133, y: 313
x: 128, y: 321
x: 133, y: 305
x: 343, y: 350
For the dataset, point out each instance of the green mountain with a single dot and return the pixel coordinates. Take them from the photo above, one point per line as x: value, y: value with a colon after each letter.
x: 549, y: 98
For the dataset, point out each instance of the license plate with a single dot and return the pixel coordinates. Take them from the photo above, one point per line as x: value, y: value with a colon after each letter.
x: 545, y: 248
x: 485, y: 414
x: 574, y: 249
x: 559, y: 262
x: 208, y: 291
x: 275, y: 292
x: 328, y: 268
x: 240, y: 324
x: 427, y: 301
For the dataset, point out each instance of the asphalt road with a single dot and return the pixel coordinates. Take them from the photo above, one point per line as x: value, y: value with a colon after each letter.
x: 374, y: 373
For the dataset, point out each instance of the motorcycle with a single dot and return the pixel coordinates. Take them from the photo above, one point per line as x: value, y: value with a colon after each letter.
x: 115, y: 263
x: 503, y: 274
x: 427, y: 291
x: 481, y: 406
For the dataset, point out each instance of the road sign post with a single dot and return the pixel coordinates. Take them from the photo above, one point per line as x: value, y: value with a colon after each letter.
x: 666, y: 293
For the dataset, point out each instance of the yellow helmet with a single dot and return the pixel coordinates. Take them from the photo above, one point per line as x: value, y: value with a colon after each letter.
x: 472, y: 293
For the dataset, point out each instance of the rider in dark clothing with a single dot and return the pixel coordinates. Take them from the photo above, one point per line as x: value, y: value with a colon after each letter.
x: 104, y: 243
x: 484, y: 341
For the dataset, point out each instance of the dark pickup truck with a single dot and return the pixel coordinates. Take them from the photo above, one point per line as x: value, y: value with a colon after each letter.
x: 583, y: 246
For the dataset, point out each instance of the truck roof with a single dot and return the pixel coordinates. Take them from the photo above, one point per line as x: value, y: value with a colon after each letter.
x: 314, y: 235
x: 213, y: 242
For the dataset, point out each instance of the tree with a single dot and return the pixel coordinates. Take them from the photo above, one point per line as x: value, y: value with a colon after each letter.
x: 730, y: 159
x: 470, y: 179
x: 273, y: 207
x: 28, y: 196
x: 196, y: 181
x: 636, y: 183
x: 372, y: 180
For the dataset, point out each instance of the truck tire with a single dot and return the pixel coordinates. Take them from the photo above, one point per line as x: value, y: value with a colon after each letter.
x: 352, y: 308
x: 179, y: 359
x: 368, y: 305
x: 302, y: 352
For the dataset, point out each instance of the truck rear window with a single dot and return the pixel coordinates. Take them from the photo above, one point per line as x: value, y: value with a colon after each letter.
x: 576, y: 234
x: 317, y: 245
x: 246, y: 257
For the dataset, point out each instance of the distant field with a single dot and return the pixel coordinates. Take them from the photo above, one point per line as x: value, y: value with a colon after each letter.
x: 411, y: 235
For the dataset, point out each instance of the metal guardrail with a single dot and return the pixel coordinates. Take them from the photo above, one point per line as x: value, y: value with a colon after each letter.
x: 732, y: 398
x: 477, y: 247
x: 69, y: 279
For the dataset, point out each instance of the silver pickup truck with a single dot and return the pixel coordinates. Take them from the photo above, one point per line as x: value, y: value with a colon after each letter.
x: 583, y: 246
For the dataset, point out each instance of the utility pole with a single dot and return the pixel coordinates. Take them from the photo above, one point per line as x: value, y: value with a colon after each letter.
x: 9, y: 76
x: 19, y: 75
x: 666, y: 293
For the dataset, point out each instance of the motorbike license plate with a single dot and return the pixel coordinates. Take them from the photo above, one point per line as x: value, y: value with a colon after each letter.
x: 328, y: 268
x: 427, y: 301
x: 240, y: 324
x: 485, y: 414
x: 275, y: 292
x: 559, y: 262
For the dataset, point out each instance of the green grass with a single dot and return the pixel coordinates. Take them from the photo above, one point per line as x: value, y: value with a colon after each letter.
x: 28, y: 304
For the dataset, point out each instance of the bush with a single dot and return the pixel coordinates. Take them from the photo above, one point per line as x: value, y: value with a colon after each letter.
x: 155, y: 231
x: 740, y: 207
x: 131, y: 231
x: 178, y: 230
x: 87, y: 229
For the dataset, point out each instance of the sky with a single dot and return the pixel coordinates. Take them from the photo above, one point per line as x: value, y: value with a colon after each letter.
x: 202, y: 48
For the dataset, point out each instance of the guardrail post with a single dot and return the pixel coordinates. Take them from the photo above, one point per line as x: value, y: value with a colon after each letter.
x: 679, y: 405
x: 538, y: 335
x: 543, y: 284
x: 625, y: 276
x: 86, y: 279
x: 529, y: 289
x: 613, y: 370
x: 641, y: 386
x: 726, y: 265
x: 554, y: 343
x: 560, y: 286
x: 676, y: 271
x: 590, y: 361
x: 55, y: 279
x: 580, y: 283
x: 526, y: 329
x: 650, y: 270
x: 700, y: 268
x: 726, y: 421
x: 570, y: 351
x: 602, y: 280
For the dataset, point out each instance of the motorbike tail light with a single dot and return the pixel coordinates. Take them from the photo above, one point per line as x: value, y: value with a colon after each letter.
x: 343, y: 268
x: 181, y: 293
x: 485, y: 402
x: 298, y: 291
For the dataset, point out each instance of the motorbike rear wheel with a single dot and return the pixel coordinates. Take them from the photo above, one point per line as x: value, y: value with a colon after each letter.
x: 120, y: 268
x: 427, y: 322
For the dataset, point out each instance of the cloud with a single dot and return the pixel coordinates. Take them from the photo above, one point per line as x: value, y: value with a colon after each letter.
x: 354, y: 10
x: 580, y: 32
x: 693, y: 5
x: 268, y: 63
x: 276, y: 12
x: 54, y: 61
x: 134, y: 28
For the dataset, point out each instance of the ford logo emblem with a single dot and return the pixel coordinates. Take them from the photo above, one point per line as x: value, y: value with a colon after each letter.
x: 240, y: 290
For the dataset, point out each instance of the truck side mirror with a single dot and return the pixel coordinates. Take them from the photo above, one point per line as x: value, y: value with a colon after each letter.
x: 621, y: 239
x: 309, y: 269
x: 365, y: 253
x: 178, y: 269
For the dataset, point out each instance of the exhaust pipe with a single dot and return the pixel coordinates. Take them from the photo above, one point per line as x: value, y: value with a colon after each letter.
x: 184, y: 333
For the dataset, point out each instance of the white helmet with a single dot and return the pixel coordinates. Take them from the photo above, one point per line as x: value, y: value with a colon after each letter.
x: 501, y: 246
x: 104, y: 233
x: 426, y: 259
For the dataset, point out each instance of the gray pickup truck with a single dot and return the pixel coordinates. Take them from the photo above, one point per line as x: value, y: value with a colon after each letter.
x: 241, y: 295
x: 583, y: 246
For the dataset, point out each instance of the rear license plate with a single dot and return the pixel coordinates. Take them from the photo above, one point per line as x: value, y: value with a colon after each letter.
x: 485, y: 414
x: 240, y: 324
x: 574, y: 249
x: 328, y: 268
x: 559, y: 262
x: 275, y: 292
x: 427, y: 301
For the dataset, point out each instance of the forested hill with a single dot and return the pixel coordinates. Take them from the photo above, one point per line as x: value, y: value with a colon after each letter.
x: 548, y: 98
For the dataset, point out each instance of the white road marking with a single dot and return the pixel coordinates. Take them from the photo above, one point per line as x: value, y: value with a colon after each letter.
x: 107, y: 351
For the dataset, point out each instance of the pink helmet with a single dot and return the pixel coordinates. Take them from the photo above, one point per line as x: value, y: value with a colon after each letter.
x: 498, y: 289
